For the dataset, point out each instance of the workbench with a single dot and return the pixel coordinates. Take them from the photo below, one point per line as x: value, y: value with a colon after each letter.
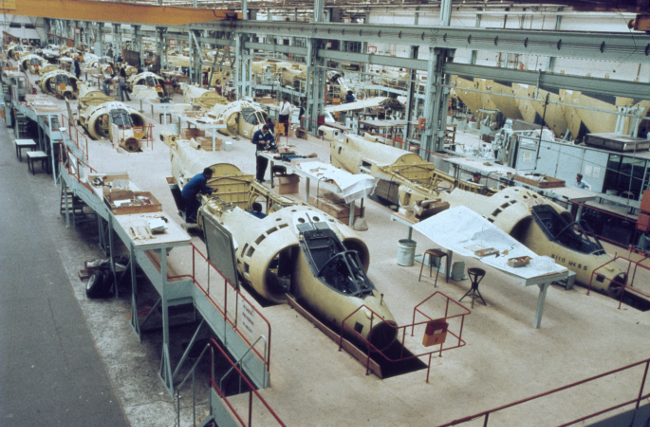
x: 199, y: 123
x: 326, y: 184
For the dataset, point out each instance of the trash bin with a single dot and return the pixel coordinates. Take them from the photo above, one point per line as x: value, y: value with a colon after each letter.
x: 406, y: 252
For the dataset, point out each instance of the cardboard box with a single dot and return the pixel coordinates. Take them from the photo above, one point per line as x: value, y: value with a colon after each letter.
x: 141, y: 202
x: 643, y: 223
x: 288, y: 184
x: 645, y: 201
x: 107, y: 181
x: 189, y: 133
x: 338, y: 209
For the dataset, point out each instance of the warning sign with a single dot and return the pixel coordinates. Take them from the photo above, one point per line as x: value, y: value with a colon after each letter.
x: 372, y: 49
x: 247, y: 319
x: 8, y: 4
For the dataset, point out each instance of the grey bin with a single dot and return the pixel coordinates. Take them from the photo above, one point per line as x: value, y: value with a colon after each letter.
x: 406, y: 252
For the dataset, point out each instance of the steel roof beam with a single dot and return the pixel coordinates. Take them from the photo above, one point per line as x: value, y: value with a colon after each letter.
x: 606, y: 46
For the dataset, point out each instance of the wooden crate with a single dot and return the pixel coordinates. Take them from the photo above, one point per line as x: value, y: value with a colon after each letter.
x: 541, y: 182
x: 205, y: 143
x: 339, y: 210
x: 132, y: 208
x: 189, y: 133
x: 388, y: 190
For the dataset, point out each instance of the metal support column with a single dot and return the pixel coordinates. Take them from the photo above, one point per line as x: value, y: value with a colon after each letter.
x: 472, y: 54
x: 160, y: 45
x: 196, y: 57
x: 77, y: 36
x: 117, y: 40
x: 136, y: 42
x: 550, y: 65
x: 315, y: 84
x: 99, y: 40
x: 165, y: 361
x: 411, y: 104
x: 437, y: 93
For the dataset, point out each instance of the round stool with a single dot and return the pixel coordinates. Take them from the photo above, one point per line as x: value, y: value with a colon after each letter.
x: 433, y: 253
x: 475, y: 277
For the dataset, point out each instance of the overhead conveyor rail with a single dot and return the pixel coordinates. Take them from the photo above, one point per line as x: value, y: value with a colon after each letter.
x: 204, y: 287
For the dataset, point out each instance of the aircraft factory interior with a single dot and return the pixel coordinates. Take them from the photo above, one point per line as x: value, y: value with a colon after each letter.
x: 325, y: 213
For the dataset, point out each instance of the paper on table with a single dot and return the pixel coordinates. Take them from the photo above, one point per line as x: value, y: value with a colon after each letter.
x: 352, y: 187
x: 463, y: 230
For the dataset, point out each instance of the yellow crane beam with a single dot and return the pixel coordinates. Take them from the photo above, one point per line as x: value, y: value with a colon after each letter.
x: 84, y: 10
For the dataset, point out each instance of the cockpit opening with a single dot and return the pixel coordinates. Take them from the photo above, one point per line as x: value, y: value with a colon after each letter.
x: 576, y: 236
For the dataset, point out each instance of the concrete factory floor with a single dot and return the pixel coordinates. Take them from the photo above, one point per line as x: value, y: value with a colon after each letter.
x: 312, y: 383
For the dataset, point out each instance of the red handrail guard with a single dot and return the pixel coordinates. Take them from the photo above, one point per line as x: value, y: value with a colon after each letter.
x: 252, y: 391
x: 462, y: 321
x: 224, y: 312
x: 67, y: 167
x: 568, y: 386
x: 625, y: 286
x: 403, y: 327
x: 72, y: 125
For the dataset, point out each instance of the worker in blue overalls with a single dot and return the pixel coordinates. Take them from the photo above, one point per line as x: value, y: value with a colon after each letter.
x: 196, y: 185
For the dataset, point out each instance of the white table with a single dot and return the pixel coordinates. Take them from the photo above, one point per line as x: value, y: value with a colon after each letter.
x: 23, y: 143
x: 298, y: 171
x: 167, y: 107
x: 543, y: 282
x: 213, y: 127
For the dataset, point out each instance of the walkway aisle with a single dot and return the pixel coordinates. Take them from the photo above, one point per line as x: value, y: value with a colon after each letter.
x: 50, y: 370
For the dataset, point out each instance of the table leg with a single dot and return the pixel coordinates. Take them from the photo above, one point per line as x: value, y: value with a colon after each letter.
x: 308, y: 182
x: 410, y: 233
x: 351, y: 222
x: 541, y: 299
x: 271, y: 172
x: 450, y: 255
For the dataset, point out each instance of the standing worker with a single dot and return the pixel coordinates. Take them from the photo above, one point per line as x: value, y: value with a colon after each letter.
x: 196, y: 185
x: 107, y: 81
x: 262, y: 140
x: 122, y: 83
x: 301, y: 114
x: 77, y: 67
x: 285, y: 112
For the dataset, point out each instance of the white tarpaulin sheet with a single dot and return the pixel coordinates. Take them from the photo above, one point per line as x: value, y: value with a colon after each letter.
x: 464, y: 231
x: 352, y: 187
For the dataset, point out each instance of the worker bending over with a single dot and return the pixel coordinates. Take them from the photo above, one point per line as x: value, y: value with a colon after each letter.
x: 196, y: 185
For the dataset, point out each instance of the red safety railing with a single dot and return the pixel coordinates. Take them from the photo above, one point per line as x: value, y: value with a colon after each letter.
x: 624, y: 286
x: 636, y: 401
x: 65, y: 163
x: 251, y: 393
x: 148, y: 137
x: 76, y: 135
x: 402, y: 329
x: 222, y: 307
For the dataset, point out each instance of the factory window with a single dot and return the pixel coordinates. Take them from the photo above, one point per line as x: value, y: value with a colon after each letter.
x: 624, y: 176
x: 30, y: 26
x: 14, y: 25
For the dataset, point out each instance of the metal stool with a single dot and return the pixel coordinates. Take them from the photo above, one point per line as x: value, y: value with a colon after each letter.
x: 475, y: 276
x: 433, y: 253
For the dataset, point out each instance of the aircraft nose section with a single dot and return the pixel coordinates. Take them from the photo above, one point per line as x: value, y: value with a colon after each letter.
x: 383, y: 334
